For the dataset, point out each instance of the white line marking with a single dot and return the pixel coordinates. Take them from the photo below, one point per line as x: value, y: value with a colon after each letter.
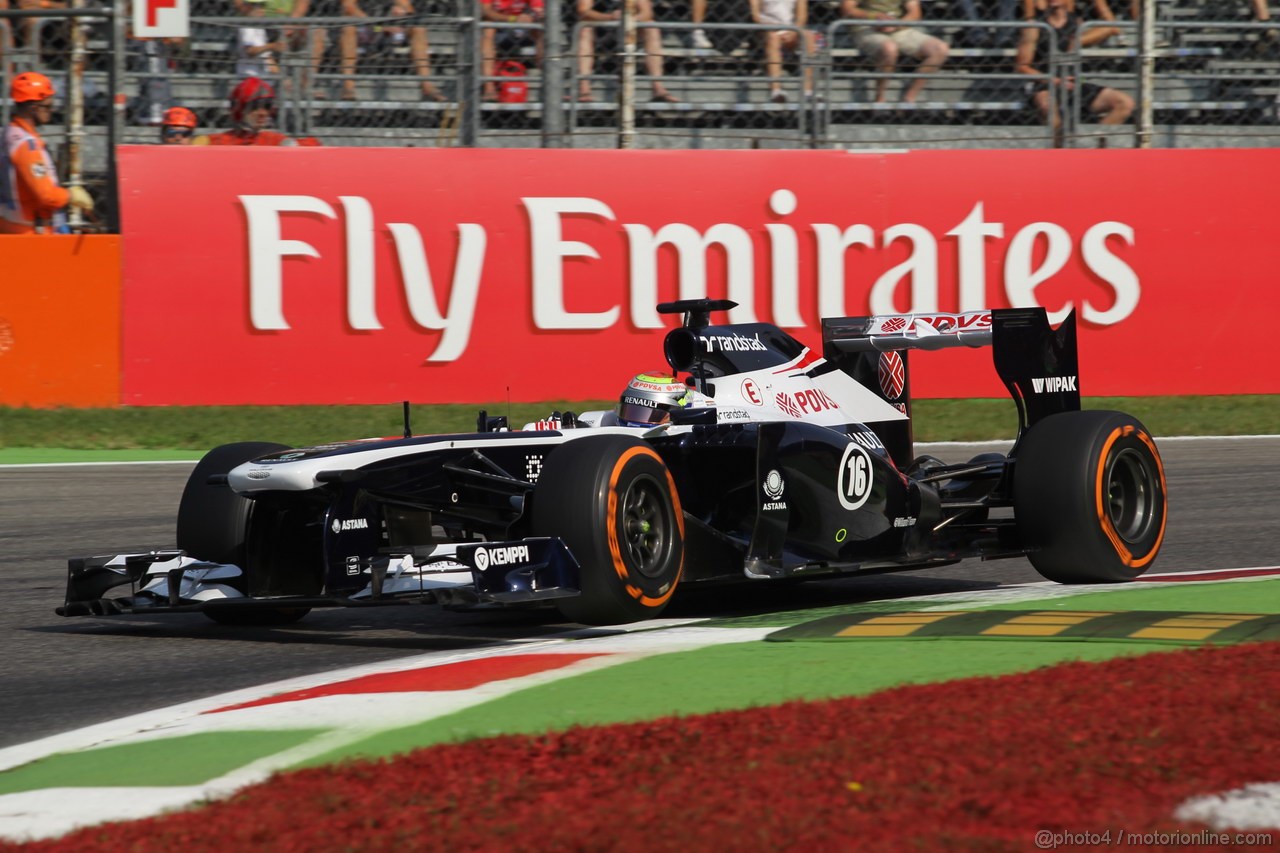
x: 1254, y: 806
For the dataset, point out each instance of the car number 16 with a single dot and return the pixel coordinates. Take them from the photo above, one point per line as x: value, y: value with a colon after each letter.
x: 855, y: 480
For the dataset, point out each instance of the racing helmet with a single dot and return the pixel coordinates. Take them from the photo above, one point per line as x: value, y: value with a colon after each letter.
x: 179, y: 117
x: 248, y: 91
x: 30, y: 86
x: 649, y: 399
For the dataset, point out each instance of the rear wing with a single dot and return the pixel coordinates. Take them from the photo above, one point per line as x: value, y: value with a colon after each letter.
x: 889, y: 333
x: 1037, y: 363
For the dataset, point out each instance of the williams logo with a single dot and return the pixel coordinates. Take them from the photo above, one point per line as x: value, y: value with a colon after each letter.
x: 1053, y: 384
x: 512, y: 554
x: 340, y: 524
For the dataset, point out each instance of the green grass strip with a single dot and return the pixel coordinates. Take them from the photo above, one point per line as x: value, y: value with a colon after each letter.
x: 203, y: 427
x: 46, y: 455
x: 187, y: 760
x: 1260, y: 596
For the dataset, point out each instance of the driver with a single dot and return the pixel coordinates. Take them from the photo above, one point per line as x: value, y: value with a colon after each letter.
x: 649, y: 399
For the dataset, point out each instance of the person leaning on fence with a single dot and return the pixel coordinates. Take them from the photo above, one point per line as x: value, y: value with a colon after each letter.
x: 31, y: 199
x: 1111, y: 106
x: 790, y: 13
x: 604, y: 11
x: 885, y: 41
x: 178, y: 127
x: 253, y: 110
x: 508, y: 41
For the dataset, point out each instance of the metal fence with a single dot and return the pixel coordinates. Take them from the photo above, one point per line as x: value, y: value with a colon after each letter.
x: 690, y: 76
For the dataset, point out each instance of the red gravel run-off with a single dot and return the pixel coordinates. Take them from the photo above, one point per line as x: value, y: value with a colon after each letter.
x: 980, y: 764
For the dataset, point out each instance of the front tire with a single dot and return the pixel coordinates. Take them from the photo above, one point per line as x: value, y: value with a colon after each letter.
x: 1090, y: 497
x: 213, y: 525
x: 614, y: 503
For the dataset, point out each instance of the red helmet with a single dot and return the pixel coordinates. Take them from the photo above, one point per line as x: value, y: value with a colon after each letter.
x: 179, y: 117
x: 30, y: 86
x: 248, y: 90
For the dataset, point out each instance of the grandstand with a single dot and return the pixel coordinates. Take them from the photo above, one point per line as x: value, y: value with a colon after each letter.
x: 1215, y: 83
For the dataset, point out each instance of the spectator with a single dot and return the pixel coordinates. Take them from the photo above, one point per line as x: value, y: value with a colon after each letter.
x: 697, y: 14
x: 989, y: 10
x: 1103, y: 11
x: 257, y: 47
x: 178, y: 126
x: 31, y: 199
x: 253, y: 109
x: 1111, y: 106
x: 508, y: 41
x: 1100, y: 11
x: 347, y: 42
x: 595, y: 11
x: 786, y: 13
x: 6, y: 42
x: 418, y: 47
x: 885, y: 42
x: 1270, y: 37
x: 29, y: 30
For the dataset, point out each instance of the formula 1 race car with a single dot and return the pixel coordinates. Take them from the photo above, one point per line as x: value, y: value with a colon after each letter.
x: 776, y: 463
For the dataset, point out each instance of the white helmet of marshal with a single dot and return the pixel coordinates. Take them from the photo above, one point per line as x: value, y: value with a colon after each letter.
x: 649, y: 399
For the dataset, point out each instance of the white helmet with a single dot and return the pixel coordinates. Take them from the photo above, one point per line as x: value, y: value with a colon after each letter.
x: 649, y: 399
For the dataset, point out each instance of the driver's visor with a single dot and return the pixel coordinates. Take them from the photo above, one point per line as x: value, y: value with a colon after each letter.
x: 632, y: 414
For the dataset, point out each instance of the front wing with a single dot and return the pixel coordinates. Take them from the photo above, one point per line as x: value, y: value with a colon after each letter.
x: 464, y: 575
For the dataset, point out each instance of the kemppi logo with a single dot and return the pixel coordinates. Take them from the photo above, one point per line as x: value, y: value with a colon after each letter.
x: 508, y: 556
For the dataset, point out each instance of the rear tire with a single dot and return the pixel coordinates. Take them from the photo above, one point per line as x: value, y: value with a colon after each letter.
x: 213, y: 524
x: 614, y: 503
x: 1090, y: 497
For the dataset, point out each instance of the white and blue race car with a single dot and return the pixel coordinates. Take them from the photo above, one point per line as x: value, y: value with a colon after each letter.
x: 780, y: 463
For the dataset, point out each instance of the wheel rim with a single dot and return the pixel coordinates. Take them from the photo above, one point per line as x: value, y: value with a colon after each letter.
x: 646, y: 527
x: 1131, y: 495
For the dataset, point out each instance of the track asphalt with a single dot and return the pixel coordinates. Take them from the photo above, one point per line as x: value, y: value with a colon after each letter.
x: 185, y: 754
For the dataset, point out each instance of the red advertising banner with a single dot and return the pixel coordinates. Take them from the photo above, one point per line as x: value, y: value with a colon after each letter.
x: 372, y: 275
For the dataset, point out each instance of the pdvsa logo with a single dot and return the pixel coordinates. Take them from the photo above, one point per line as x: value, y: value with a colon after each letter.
x: 893, y: 376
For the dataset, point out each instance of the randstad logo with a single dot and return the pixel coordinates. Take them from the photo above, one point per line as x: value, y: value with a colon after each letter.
x: 732, y: 343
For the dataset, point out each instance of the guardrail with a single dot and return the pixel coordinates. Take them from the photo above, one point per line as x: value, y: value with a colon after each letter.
x: 369, y: 81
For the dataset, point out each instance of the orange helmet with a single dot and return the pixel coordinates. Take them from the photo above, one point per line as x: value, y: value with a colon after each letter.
x: 179, y: 117
x: 30, y: 86
x: 248, y: 90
